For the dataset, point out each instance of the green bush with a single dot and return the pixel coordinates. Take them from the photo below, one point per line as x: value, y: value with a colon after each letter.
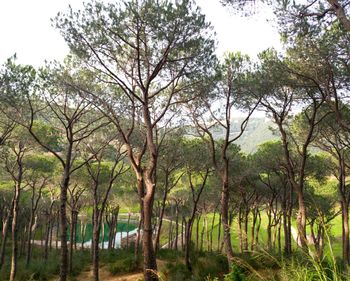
x: 237, y: 274
x: 122, y: 266
x: 177, y: 272
x: 210, y: 265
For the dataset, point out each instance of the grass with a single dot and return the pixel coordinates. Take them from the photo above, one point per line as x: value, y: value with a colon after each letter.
x: 39, y: 270
x: 259, y: 265
x: 335, y: 234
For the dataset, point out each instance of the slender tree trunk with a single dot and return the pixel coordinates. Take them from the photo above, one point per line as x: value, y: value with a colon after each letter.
x: 71, y: 243
x: 95, y: 245
x: 149, y: 259
x: 138, y: 238
x: 29, y: 238
x: 202, y: 235
x: 225, y: 196
x: 245, y: 232
x: 127, y: 231
x: 48, y: 232
x: 57, y: 229
x: 268, y: 229
x: 63, y: 220
x: 253, y: 226
x: 258, y: 228
x: 188, y: 242
x: 197, y: 232
x: 170, y: 235
x: 5, y: 228
x: 161, y: 215
x: 183, y: 230
x: 95, y: 249
x: 14, y: 225
x: 176, y: 227
x: 279, y: 237
x: 344, y: 199
x: 219, y: 233
x: 240, y: 235
x: 52, y: 219
x: 212, y: 231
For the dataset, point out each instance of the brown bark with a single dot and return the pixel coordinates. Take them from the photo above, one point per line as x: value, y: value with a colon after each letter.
x: 161, y: 215
x: 5, y: 228
x: 48, y: 233
x: 176, y: 226
x: 14, y: 247
x: 197, y: 231
x: 224, y: 212
x: 63, y: 219
x: 344, y: 200
x: 149, y: 259
x: 212, y: 230
x: 15, y: 213
x: 219, y: 233
x: 34, y: 206
x: 195, y: 200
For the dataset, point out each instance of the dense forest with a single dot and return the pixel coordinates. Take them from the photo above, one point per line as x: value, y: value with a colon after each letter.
x: 140, y: 157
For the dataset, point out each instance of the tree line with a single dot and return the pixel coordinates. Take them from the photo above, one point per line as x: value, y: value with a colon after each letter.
x: 134, y: 109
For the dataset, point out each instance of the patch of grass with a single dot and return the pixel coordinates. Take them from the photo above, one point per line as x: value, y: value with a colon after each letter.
x: 169, y: 255
x: 122, y: 266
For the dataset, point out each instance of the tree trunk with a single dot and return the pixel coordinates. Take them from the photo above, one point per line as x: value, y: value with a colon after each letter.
x: 224, y: 213
x: 258, y: 229
x: 48, y: 232
x: 95, y: 245
x: 5, y: 228
x: 14, y: 225
x: 245, y: 232
x: 63, y: 221
x: 138, y: 238
x: 240, y: 235
x: 29, y: 238
x: 253, y: 226
x: 212, y: 231
x: 149, y: 259
x: 71, y: 243
x: 219, y: 232
x: 269, y: 227
x: 197, y: 232
x: 161, y: 215
x: 127, y: 231
x: 176, y: 227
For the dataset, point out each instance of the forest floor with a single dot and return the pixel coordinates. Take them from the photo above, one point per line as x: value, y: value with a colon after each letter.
x: 106, y: 275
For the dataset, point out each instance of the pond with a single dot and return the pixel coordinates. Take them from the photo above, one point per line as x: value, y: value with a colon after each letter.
x: 123, y: 229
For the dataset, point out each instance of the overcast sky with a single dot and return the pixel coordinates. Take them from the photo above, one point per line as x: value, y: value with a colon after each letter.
x: 25, y: 29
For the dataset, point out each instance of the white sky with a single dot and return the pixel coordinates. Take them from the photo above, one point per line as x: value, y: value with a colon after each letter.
x: 25, y: 29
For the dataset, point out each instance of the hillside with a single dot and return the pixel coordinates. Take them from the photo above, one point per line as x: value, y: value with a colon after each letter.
x: 257, y: 132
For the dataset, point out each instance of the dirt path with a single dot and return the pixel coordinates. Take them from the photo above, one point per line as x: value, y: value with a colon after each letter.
x: 105, y: 275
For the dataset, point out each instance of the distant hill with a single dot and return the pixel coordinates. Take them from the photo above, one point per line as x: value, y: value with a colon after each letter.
x: 257, y: 132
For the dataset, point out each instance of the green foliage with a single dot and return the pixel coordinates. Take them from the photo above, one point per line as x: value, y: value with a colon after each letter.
x: 236, y: 274
x: 122, y: 266
x: 48, y: 134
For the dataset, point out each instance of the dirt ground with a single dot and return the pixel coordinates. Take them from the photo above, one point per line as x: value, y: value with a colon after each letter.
x: 105, y: 275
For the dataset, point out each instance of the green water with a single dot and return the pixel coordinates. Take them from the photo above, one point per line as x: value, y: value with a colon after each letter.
x: 121, y: 227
